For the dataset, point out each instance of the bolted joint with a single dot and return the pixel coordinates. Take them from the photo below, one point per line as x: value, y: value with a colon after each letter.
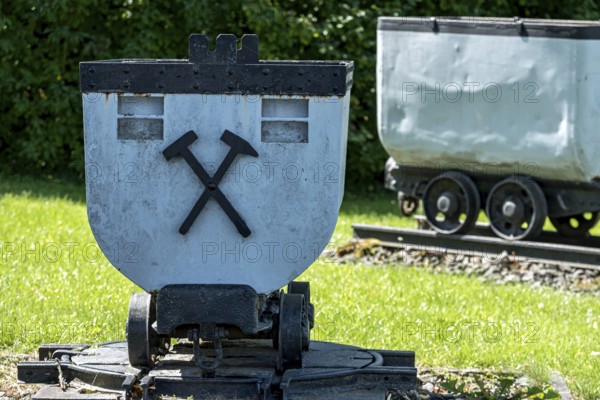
x: 447, y: 203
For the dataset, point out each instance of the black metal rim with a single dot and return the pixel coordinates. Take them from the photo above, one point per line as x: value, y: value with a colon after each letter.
x: 143, y: 342
x: 494, y: 26
x: 464, y: 203
x: 227, y: 69
x: 308, y: 317
x: 576, y: 226
x: 529, y: 201
x: 291, y: 315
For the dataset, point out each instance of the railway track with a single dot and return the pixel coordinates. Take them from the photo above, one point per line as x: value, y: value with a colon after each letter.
x: 548, y: 246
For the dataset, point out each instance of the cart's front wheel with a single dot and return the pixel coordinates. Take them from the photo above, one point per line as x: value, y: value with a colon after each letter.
x: 293, y: 321
x: 143, y: 342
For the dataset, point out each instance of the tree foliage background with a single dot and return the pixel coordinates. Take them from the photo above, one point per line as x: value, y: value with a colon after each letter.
x: 42, y: 42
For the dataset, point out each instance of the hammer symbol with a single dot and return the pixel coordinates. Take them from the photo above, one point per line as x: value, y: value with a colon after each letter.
x: 237, y: 145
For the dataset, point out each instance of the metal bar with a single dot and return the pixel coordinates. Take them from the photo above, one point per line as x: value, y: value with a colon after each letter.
x: 181, y: 76
x: 37, y: 372
x: 396, y: 358
x: 483, y: 229
x: 47, y: 372
x: 485, y: 246
x: 45, y: 351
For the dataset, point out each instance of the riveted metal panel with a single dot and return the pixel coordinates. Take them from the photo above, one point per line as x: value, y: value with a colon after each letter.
x: 226, y: 70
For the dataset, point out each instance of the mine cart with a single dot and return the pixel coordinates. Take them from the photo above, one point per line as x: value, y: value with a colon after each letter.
x: 230, y: 178
x: 212, y: 182
x: 492, y: 113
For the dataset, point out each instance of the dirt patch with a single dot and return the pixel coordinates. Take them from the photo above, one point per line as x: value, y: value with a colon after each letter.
x: 9, y: 386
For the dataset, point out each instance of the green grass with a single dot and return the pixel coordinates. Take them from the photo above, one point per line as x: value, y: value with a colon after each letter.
x: 55, y: 286
x: 449, y: 320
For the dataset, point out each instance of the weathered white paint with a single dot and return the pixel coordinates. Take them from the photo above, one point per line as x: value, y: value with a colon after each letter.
x: 492, y: 104
x: 289, y: 196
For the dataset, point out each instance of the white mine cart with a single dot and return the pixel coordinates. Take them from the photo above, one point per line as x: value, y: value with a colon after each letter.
x: 211, y: 183
x: 492, y: 113
x: 233, y: 174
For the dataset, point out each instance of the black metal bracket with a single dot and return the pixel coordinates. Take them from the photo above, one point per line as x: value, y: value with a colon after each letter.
x: 216, y: 334
x: 226, y: 51
x: 211, y: 305
x: 226, y: 70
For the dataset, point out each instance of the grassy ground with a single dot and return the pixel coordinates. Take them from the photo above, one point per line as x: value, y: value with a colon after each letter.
x: 56, y: 287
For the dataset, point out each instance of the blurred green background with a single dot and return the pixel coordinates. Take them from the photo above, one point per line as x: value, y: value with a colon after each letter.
x: 42, y: 42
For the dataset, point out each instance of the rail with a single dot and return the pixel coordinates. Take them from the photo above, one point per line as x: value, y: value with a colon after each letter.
x: 549, y: 246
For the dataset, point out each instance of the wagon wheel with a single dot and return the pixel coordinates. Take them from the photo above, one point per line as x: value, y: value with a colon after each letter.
x: 143, y: 342
x: 576, y: 226
x: 303, y: 288
x: 408, y: 204
x: 293, y: 320
x: 451, y: 203
x: 516, y: 208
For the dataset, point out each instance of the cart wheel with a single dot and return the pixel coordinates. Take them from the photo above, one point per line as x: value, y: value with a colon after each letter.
x: 408, y: 205
x: 292, y: 317
x: 303, y: 288
x: 516, y: 208
x: 143, y: 342
x: 451, y: 203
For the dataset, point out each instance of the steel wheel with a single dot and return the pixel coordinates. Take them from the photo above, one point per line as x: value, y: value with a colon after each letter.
x: 516, y: 208
x: 143, y: 343
x: 303, y: 288
x: 576, y: 226
x: 292, y: 315
x: 408, y: 205
x: 451, y: 203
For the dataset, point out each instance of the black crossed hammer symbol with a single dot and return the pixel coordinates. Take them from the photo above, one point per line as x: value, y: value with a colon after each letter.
x: 237, y: 145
